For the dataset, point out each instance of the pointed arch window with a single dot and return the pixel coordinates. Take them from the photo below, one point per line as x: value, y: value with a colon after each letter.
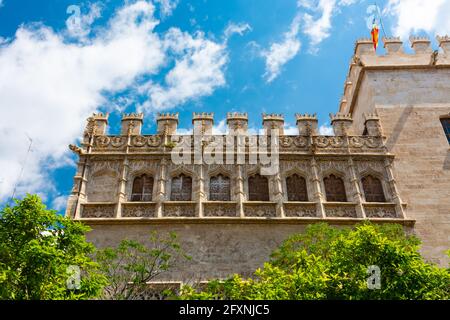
x: 258, y: 188
x: 373, y: 190
x: 142, y: 188
x: 445, y: 121
x: 334, y: 189
x: 219, y: 188
x: 296, y: 188
x: 181, y: 189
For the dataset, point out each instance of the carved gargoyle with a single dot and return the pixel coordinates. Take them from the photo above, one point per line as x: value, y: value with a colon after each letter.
x: 434, y: 58
x: 75, y: 149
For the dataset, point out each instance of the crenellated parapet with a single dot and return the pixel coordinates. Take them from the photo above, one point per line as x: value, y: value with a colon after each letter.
x: 167, y: 123
x: 341, y: 123
x: 420, y: 44
x: 444, y: 43
x: 237, y: 122
x: 372, y: 124
x: 393, y: 45
x: 273, y: 121
x: 132, y: 123
x: 364, y: 46
x: 97, y: 124
x: 366, y: 58
x: 203, y: 122
x: 307, y: 124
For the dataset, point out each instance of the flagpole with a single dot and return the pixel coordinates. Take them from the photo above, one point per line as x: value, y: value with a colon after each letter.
x: 21, y: 169
x: 381, y: 21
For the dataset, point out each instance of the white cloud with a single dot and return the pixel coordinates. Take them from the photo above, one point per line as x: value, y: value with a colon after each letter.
x: 167, y: 7
x: 79, y: 25
x: 291, y: 130
x: 412, y: 16
x: 238, y: 28
x: 49, y: 86
x: 280, y: 53
x: 318, y: 21
x: 220, y: 128
x: 198, y: 70
x: 59, y: 203
x: 326, y: 130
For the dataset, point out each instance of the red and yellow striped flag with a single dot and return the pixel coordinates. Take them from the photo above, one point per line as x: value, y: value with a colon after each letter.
x: 375, y: 33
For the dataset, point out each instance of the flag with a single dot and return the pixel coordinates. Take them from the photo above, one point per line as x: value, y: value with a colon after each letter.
x: 375, y: 34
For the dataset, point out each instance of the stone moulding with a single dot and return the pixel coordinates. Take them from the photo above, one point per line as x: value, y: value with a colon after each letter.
x: 219, y: 209
x: 380, y: 210
x: 260, y: 209
x: 179, y: 209
x: 300, y: 209
x: 138, y: 210
x: 287, y: 143
x: 98, y: 210
x: 340, y: 209
x: 243, y: 221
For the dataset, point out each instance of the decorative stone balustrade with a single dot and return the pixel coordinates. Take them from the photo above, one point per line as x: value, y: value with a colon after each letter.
x: 229, y: 209
x: 225, y: 143
x: 220, y: 209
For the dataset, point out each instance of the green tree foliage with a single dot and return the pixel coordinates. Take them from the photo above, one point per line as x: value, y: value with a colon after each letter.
x: 132, y: 264
x: 332, y: 263
x: 37, y: 246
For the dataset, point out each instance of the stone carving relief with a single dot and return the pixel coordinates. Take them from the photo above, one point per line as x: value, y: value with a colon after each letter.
x: 340, y: 212
x: 300, y: 210
x: 219, y: 210
x: 380, y: 212
x: 100, y: 211
x: 138, y: 211
x: 174, y: 210
x: 261, y: 210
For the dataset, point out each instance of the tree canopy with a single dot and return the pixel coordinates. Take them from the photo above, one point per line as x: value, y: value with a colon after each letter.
x: 338, y: 263
x: 40, y: 251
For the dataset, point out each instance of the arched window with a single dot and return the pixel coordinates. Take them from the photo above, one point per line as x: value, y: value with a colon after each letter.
x: 181, y: 188
x: 258, y: 188
x: 334, y: 189
x: 219, y: 188
x: 142, y: 188
x: 296, y: 188
x: 373, y: 190
x: 445, y: 121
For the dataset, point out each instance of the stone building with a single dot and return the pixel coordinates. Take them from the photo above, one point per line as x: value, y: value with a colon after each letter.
x: 388, y: 161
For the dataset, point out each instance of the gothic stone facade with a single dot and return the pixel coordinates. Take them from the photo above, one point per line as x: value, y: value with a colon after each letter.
x: 388, y: 161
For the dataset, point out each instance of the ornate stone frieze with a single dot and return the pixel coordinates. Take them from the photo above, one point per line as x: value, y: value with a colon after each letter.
x: 380, y: 212
x: 138, y: 210
x: 300, y: 210
x: 179, y: 210
x: 340, y: 211
x: 219, y: 209
x: 260, y: 210
x: 98, y: 211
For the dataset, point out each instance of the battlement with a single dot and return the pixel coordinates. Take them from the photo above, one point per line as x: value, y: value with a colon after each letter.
x: 307, y: 123
x: 365, y: 58
x: 167, y: 116
x: 371, y: 116
x: 203, y: 116
x: 237, y: 116
x: 132, y: 116
x: 100, y: 116
x: 340, y: 116
x: 273, y: 117
x: 305, y: 116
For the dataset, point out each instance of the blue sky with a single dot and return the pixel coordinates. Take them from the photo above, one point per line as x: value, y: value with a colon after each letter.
x: 58, y: 66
